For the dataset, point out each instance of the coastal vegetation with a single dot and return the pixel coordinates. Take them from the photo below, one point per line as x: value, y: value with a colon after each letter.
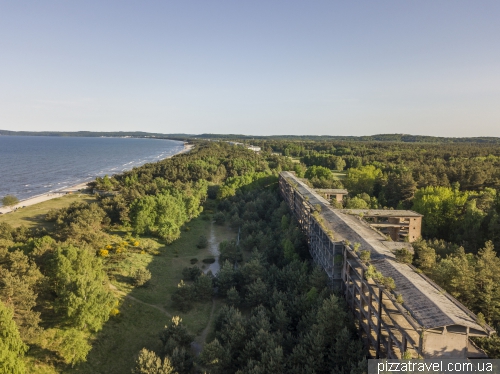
x: 69, y: 279
x: 33, y: 216
x: 122, y: 281
x: 9, y: 201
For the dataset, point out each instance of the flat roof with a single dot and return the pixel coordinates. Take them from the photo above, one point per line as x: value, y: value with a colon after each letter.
x: 332, y: 190
x: 382, y: 212
x: 428, y: 304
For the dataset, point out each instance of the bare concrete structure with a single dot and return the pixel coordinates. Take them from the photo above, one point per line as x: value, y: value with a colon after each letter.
x: 417, y: 318
x: 398, y: 224
x: 332, y: 193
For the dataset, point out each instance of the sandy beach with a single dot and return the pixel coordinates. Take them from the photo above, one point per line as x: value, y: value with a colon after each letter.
x: 53, y: 195
x: 44, y: 197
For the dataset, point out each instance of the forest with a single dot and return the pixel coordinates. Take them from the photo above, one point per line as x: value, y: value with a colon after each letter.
x: 277, y: 312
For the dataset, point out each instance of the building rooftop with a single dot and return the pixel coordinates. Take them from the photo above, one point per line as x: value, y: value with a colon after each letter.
x: 332, y: 191
x: 381, y: 212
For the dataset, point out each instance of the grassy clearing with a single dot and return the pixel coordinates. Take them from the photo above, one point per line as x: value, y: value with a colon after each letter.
x: 114, y: 348
x: 137, y: 326
x: 339, y: 174
x: 34, y: 215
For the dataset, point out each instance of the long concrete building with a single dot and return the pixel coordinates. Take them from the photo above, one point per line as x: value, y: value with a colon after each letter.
x: 417, y: 318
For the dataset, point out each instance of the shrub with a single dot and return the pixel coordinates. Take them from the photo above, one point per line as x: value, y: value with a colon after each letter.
x: 202, y: 242
x: 403, y: 255
x: 229, y: 250
x: 356, y: 247
x: 191, y: 273
x: 365, y: 256
x: 389, y: 283
x: 208, y: 260
x: 103, y: 253
x: 193, y: 261
x: 219, y: 218
x: 114, y: 312
x: 148, y: 244
x: 203, y: 287
x: 141, y: 277
x: 183, y: 296
x: 373, y: 273
x: 336, y: 204
x: 399, y: 299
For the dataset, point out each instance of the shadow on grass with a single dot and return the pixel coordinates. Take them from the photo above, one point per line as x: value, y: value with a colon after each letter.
x: 123, y: 279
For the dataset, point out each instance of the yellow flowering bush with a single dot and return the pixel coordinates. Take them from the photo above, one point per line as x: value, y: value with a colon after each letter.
x: 103, y: 253
x: 114, y: 312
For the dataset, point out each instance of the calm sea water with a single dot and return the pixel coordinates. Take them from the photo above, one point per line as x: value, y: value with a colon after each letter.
x: 34, y: 165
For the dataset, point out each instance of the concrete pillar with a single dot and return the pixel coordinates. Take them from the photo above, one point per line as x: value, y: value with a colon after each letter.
x: 379, y: 322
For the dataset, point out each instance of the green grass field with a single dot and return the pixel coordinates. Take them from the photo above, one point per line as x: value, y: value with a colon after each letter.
x: 34, y: 215
x: 144, y: 311
x: 339, y: 174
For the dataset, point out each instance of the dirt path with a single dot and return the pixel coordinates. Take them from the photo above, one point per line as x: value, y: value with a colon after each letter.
x: 204, y: 333
x: 199, y: 342
x: 116, y: 290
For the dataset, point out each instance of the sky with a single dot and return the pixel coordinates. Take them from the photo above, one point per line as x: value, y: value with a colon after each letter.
x: 251, y: 67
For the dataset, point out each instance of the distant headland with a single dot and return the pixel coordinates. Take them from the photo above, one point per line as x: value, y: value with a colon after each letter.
x: 404, y: 138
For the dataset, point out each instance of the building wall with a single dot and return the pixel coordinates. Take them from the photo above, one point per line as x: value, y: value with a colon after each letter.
x: 415, y: 229
x: 445, y: 344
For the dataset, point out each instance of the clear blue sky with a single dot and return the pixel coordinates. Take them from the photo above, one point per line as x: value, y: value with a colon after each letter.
x: 252, y: 67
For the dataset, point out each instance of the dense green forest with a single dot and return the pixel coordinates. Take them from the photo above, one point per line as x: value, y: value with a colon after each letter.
x: 54, y: 293
x: 277, y: 312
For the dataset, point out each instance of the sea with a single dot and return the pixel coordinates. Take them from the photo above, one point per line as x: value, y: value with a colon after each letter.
x: 36, y: 165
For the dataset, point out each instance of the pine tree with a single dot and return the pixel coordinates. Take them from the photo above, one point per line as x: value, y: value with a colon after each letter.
x: 19, y: 279
x: 12, y: 348
x: 215, y: 357
x: 149, y: 363
x: 79, y: 282
x: 257, y: 293
x: 487, y: 280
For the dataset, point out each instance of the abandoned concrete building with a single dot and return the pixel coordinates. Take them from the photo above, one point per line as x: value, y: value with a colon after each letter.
x: 413, y: 317
x: 332, y: 193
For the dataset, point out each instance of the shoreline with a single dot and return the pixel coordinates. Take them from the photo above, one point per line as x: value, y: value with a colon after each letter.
x: 68, y: 190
